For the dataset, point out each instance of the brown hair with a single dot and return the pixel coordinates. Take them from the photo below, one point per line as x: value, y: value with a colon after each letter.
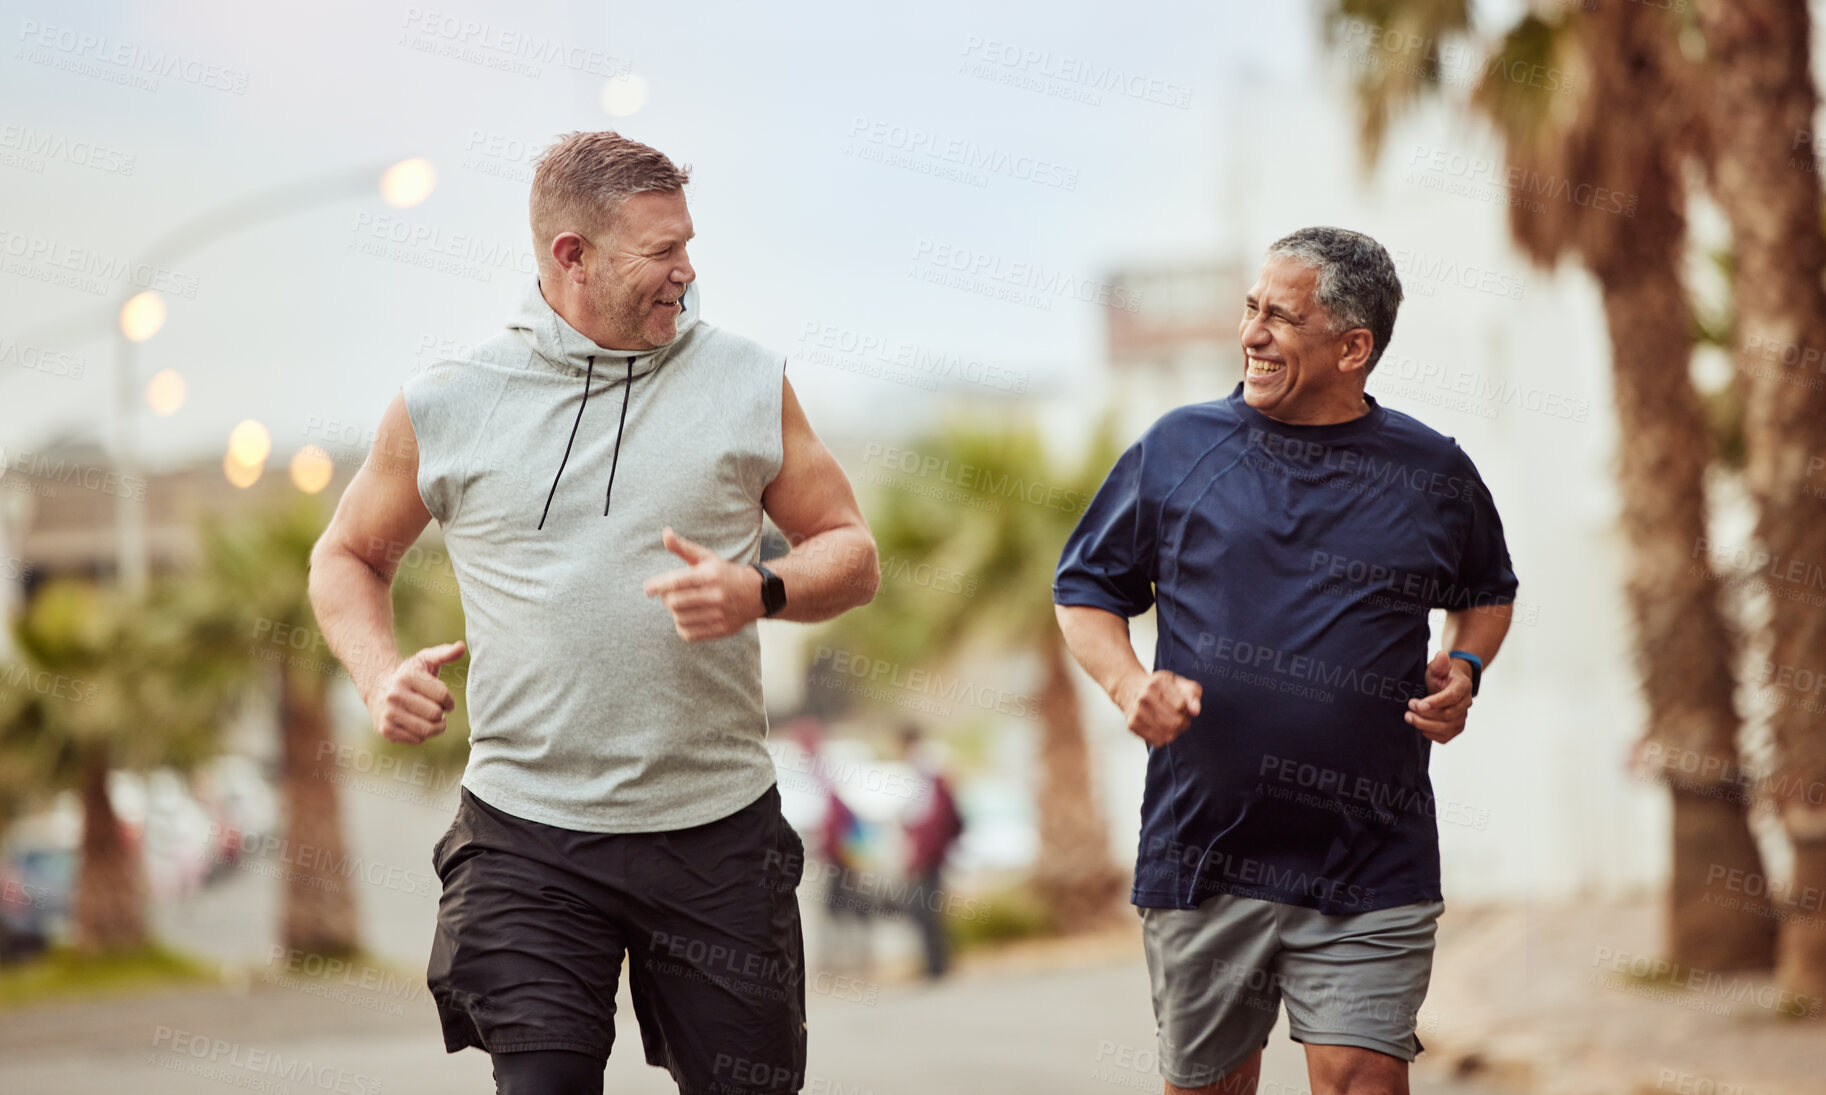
x: 583, y: 178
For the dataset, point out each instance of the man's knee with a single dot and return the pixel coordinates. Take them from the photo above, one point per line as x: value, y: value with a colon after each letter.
x: 547, y: 1072
x: 1351, y: 1070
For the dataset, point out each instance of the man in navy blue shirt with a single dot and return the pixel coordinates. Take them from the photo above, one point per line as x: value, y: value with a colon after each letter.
x: 1292, y: 539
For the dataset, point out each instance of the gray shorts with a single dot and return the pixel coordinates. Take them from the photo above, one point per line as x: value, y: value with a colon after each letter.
x: 1220, y: 972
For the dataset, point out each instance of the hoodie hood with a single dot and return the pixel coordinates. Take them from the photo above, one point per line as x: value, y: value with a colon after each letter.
x: 567, y: 351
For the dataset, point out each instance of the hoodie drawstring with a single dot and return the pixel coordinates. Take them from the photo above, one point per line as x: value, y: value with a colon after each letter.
x: 626, y: 390
x: 591, y: 371
x: 615, y: 461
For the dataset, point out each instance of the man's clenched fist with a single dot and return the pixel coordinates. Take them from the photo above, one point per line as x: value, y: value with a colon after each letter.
x: 709, y: 599
x: 409, y: 706
x: 1160, y: 705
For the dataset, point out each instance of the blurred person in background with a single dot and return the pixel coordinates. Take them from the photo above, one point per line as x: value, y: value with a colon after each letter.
x: 1292, y: 538
x: 849, y: 904
x: 619, y: 798
x: 933, y: 825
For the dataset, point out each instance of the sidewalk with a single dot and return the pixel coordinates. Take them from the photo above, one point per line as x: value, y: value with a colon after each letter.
x: 1542, y: 999
x: 1057, y: 1019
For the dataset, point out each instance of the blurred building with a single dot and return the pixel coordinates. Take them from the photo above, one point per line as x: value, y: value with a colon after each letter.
x: 59, y: 506
x: 1179, y: 344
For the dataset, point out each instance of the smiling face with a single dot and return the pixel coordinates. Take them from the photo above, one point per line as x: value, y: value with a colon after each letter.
x: 1296, y: 369
x: 640, y: 271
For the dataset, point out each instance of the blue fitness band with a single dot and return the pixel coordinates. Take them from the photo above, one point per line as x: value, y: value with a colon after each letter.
x: 1477, y: 666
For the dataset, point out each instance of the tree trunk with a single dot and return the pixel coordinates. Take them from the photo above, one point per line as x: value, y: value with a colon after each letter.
x: 319, y: 915
x: 1766, y: 180
x: 1683, y: 642
x: 1075, y: 875
x: 111, y: 889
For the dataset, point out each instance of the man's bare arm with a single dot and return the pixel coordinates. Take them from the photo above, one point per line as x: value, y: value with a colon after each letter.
x: 831, y: 568
x: 377, y: 518
x: 1441, y: 714
x: 1479, y: 630
x: 1158, y: 706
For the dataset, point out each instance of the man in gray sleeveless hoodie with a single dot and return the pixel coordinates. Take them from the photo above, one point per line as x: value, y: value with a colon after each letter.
x: 600, y: 470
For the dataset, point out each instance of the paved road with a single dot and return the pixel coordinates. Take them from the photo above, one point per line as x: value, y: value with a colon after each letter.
x: 1084, y: 1029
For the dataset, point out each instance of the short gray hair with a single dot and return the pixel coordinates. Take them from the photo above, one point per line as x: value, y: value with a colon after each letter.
x: 581, y: 182
x: 1358, y: 285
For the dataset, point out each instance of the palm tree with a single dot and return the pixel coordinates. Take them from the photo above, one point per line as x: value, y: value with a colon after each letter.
x: 1006, y: 547
x: 108, y: 681
x: 1630, y: 127
x: 259, y: 568
x: 258, y: 565
x: 1766, y: 179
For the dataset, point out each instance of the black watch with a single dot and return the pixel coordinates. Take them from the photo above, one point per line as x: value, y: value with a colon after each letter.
x: 773, y: 591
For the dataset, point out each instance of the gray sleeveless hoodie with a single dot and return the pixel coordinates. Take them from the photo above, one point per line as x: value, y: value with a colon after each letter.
x: 551, y: 464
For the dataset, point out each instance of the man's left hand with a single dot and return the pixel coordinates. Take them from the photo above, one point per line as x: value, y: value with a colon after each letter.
x: 712, y: 598
x: 1441, y: 715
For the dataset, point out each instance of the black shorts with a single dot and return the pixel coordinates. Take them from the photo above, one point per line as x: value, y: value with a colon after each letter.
x: 534, y: 920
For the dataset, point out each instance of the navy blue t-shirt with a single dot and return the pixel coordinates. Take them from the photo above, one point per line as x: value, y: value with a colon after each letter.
x: 1292, y: 568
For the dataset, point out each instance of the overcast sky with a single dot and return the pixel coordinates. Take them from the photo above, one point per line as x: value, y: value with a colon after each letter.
x: 122, y: 121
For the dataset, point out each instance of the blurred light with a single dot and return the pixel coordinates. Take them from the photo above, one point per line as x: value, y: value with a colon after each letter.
x: 408, y: 182
x: 249, y: 443
x: 624, y: 95
x: 165, y: 392
x: 241, y: 475
x: 311, y: 469
x: 142, y: 316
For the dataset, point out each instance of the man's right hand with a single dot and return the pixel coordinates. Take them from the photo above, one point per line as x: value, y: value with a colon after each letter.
x: 1159, y: 706
x: 410, y: 704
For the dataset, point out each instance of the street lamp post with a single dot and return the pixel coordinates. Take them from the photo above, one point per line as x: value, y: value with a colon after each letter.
x: 138, y: 315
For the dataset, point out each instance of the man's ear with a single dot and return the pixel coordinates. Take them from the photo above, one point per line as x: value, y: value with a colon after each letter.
x: 567, y: 252
x: 1358, y: 344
